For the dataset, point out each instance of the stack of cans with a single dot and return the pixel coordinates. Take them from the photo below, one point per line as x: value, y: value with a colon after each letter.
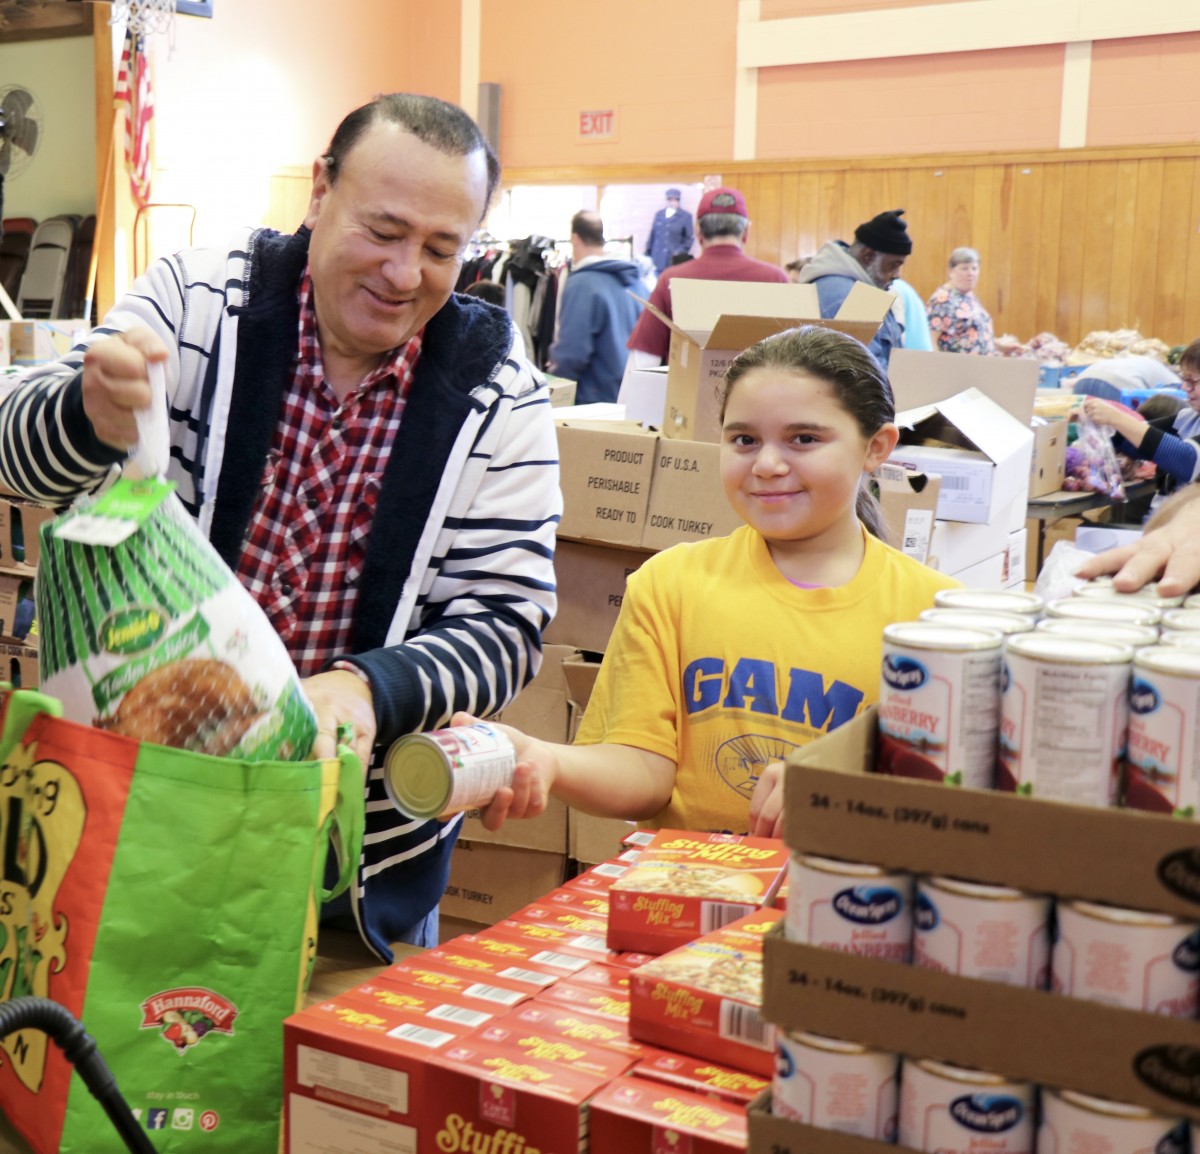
x: 1093, y: 700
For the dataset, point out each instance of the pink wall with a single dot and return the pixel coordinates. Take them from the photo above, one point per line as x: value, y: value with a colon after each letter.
x: 779, y: 9
x: 1145, y: 91
x: 667, y: 70
x: 959, y: 102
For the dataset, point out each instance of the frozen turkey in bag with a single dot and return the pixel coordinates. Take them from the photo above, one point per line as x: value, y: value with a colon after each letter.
x: 146, y: 632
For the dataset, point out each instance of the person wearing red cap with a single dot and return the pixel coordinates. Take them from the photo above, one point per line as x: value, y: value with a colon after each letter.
x: 723, y: 224
x: 881, y: 246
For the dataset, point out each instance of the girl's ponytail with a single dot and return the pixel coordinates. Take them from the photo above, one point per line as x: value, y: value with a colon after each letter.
x: 870, y: 511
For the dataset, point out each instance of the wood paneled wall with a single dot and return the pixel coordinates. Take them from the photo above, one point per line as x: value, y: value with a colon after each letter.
x: 1071, y: 241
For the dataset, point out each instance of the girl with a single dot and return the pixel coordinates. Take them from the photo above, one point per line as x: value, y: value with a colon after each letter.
x: 731, y: 652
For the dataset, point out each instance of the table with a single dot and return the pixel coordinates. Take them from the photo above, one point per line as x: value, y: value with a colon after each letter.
x: 1061, y: 503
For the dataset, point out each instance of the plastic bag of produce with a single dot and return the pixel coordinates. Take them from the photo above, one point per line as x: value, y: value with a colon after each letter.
x: 146, y: 632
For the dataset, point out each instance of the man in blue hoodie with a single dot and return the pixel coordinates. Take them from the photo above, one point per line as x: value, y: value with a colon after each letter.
x: 596, y: 314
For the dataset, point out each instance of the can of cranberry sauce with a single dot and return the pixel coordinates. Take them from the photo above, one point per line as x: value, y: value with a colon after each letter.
x: 1071, y: 1121
x: 939, y: 703
x: 997, y: 619
x: 850, y: 907
x: 445, y: 771
x: 1112, y: 632
x: 1063, y: 717
x: 1128, y: 958
x: 990, y: 601
x: 1162, y: 761
x: 1103, y: 587
x: 835, y: 1085
x: 982, y: 931
x: 954, y: 1110
x: 1131, y: 610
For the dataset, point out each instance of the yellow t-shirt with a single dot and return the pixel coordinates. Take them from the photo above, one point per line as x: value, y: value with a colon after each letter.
x: 721, y: 664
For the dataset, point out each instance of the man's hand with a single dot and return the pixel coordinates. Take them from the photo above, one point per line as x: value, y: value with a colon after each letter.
x: 530, y: 790
x: 341, y: 697
x: 1169, y: 550
x: 766, y: 802
x: 115, y: 384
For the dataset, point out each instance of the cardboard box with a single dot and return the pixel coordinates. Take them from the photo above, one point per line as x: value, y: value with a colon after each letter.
x: 687, y: 499
x: 1048, y: 468
x: 347, y: 1081
x: 32, y: 342
x: 19, y: 665
x: 921, y: 378
x: 633, y: 1114
x: 592, y: 840
x: 699, y: 1075
x: 605, y: 473
x: 591, y: 587
x: 705, y: 998
x: 981, y: 452
x: 562, y: 391
x: 685, y: 884
x: 488, y: 882
x: 5, y: 344
x: 561, y: 1022
x: 771, y: 1134
x: 956, y: 545
x: 1125, y: 858
x: 1015, y: 562
x: 541, y: 710
x: 495, y: 1098
x: 713, y: 321
x: 20, y: 535
x: 909, y: 502
x: 580, y: 673
x: 588, y: 999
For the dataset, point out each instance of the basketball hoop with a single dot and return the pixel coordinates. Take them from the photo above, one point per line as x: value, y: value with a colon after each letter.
x: 141, y: 16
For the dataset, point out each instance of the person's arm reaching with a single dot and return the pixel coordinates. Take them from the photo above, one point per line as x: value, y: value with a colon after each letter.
x: 1169, y: 551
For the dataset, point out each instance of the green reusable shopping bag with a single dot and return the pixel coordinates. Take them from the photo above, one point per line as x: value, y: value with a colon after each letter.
x: 167, y: 899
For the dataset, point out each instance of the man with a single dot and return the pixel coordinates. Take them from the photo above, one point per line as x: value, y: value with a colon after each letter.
x: 596, y: 315
x: 724, y: 225
x: 670, y: 234
x: 880, y: 248
x: 358, y: 443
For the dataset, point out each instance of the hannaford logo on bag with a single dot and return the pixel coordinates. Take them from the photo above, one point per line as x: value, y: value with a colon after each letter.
x: 132, y: 630
x: 185, y: 1015
x: 42, y: 817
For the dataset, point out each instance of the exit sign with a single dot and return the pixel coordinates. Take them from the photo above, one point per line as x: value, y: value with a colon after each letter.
x: 600, y: 125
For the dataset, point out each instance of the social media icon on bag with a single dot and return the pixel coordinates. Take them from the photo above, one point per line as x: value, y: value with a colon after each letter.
x: 184, y: 1118
x: 156, y: 1119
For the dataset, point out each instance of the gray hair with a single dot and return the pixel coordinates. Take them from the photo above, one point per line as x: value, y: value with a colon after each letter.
x: 963, y: 255
x: 714, y: 224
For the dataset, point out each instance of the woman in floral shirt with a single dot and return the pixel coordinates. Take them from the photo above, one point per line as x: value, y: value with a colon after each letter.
x: 958, y: 322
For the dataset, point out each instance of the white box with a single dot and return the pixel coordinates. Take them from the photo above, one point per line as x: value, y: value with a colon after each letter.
x: 644, y: 395
x: 980, y: 450
x: 988, y: 574
x: 956, y: 545
x: 1018, y: 544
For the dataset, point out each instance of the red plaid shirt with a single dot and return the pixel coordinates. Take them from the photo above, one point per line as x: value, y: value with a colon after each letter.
x: 307, y: 539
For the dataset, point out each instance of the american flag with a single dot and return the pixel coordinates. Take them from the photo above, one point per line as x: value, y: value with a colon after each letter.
x: 133, y: 94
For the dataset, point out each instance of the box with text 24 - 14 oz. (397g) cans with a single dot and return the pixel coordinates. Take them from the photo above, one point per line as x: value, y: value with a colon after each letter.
x: 685, y: 884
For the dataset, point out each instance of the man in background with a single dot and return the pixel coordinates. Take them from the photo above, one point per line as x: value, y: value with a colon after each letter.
x: 881, y: 246
x: 596, y: 315
x: 724, y: 225
x: 671, y: 232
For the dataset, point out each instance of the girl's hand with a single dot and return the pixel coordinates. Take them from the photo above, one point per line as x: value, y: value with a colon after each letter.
x: 766, y: 802
x: 537, y: 767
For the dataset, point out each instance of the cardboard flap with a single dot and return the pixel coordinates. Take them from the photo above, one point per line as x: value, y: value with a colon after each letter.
x: 970, y: 420
x: 740, y: 332
x: 865, y: 303
x: 923, y: 378
x: 697, y: 305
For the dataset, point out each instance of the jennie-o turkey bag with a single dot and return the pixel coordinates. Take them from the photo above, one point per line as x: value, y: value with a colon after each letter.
x: 147, y: 633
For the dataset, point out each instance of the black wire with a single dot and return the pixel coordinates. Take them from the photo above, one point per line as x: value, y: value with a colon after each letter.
x: 80, y: 1049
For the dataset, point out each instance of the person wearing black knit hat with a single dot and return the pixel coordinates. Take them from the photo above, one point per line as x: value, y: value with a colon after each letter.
x: 880, y: 248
